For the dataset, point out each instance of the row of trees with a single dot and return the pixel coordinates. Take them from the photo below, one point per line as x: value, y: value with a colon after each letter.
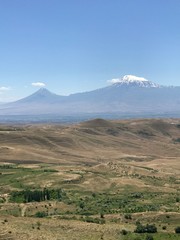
x: 37, y: 195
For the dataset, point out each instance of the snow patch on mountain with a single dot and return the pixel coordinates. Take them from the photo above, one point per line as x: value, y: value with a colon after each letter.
x: 132, y: 80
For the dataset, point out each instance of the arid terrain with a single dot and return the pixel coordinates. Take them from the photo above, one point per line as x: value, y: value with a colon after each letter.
x: 94, y: 180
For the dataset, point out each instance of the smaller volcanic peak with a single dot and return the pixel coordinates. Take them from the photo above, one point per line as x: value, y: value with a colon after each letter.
x: 43, y: 91
x: 43, y: 95
x: 131, y: 80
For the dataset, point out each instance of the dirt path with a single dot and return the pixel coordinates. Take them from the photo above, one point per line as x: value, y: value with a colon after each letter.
x: 23, y: 209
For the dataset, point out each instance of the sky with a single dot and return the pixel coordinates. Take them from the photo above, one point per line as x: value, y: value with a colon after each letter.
x: 71, y: 46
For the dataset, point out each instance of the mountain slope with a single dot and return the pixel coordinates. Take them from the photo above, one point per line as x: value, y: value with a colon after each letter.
x: 127, y: 95
x: 41, y: 96
x: 41, y: 102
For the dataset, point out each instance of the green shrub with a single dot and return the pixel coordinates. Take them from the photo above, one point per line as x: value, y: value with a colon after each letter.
x: 149, y: 237
x: 124, y: 232
x: 149, y: 228
x: 177, y: 229
x: 41, y: 214
x: 50, y: 170
x: 127, y: 216
x: 94, y: 220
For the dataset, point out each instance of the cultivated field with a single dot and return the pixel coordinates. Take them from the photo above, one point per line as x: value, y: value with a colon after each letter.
x: 94, y: 180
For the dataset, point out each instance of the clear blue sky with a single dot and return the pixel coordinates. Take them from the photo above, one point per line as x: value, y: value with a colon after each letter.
x: 77, y: 45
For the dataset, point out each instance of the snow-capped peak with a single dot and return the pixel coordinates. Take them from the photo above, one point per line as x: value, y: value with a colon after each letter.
x: 132, y: 78
x: 133, y: 81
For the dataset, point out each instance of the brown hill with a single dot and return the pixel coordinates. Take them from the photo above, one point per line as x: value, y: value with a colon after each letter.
x: 86, y: 142
x: 98, y: 122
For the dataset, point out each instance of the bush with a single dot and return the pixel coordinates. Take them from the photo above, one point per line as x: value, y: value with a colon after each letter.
x: 177, y: 229
x: 41, y: 214
x: 127, y: 216
x: 149, y: 237
x: 124, y: 232
x: 94, y: 220
x: 149, y: 228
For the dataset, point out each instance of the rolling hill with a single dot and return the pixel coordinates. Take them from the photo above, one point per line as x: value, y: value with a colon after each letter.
x: 109, y: 175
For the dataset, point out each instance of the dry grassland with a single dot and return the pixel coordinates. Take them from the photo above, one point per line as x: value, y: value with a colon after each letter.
x: 108, y: 169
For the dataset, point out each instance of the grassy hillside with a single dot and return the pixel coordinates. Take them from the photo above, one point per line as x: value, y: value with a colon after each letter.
x: 90, y: 180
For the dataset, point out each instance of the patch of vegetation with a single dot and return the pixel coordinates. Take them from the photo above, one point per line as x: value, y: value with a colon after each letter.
x: 8, y: 166
x: 149, y: 237
x: 128, y: 216
x: 37, y: 195
x: 145, y: 133
x: 177, y: 230
x: 124, y: 232
x: 148, y: 228
x: 41, y: 214
x: 112, y: 132
x: 93, y: 220
x: 50, y: 170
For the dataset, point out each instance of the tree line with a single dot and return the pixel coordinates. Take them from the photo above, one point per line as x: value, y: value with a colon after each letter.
x: 37, y: 195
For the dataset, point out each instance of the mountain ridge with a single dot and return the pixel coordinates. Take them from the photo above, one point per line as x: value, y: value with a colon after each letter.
x: 126, y: 95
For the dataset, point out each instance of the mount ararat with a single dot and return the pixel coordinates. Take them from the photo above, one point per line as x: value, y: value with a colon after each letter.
x: 127, y: 95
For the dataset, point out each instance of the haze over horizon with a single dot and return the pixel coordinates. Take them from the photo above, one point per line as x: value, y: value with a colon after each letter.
x: 76, y: 46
